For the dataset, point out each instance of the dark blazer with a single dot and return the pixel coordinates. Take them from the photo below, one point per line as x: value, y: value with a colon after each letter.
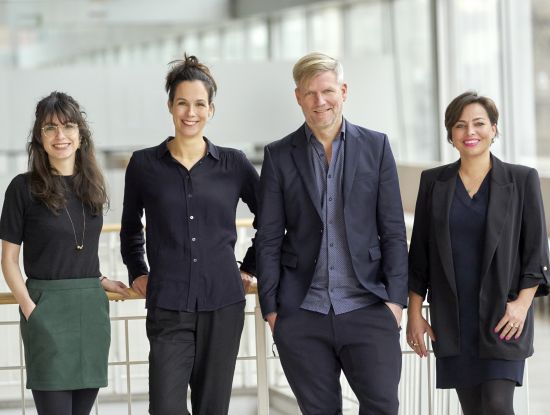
x: 515, y: 256
x: 290, y: 226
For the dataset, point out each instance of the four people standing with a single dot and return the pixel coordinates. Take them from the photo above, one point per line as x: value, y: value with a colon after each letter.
x: 189, y: 189
x: 479, y: 250
x: 332, y: 251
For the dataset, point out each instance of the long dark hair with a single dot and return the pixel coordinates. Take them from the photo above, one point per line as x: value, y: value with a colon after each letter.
x: 46, y: 185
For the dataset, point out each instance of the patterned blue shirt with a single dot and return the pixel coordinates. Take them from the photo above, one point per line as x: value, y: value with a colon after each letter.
x: 334, y: 282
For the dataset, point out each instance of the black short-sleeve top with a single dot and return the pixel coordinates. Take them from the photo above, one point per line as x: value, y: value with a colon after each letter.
x: 49, y: 245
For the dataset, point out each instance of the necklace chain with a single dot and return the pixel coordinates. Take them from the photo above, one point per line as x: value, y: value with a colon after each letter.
x: 81, y: 246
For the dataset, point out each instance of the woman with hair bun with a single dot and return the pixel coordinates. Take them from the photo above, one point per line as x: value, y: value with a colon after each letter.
x: 55, y: 211
x: 189, y: 189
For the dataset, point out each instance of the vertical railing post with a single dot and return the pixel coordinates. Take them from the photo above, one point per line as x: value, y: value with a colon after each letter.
x: 261, y: 361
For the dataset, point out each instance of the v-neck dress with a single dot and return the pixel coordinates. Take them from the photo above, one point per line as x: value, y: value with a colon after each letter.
x: 467, y: 219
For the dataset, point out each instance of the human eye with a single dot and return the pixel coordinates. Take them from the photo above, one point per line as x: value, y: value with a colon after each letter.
x: 49, y: 129
x: 459, y: 125
x: 69, y: 128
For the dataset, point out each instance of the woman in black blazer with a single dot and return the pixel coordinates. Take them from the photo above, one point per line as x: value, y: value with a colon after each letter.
x: 479, y: 250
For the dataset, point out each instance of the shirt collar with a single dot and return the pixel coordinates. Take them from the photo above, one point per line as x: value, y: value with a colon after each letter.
x: 310, y: 135
x: 211, y: 149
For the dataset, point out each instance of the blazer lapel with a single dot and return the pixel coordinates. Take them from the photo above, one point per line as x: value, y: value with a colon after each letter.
x: 302, y: 160
x: 500, y: 198
x: 350, y: 159
x: 442, y: 196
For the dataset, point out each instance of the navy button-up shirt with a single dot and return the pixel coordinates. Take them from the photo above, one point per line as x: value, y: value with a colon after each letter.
x: 190, y: 226
x: 334, y: 282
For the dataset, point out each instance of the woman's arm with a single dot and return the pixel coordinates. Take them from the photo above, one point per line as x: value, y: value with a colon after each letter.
x: 14, y: 277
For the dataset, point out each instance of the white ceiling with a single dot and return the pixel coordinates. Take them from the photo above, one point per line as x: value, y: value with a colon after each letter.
x: 64, y: 27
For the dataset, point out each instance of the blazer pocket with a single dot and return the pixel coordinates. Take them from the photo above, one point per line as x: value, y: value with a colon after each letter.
x: 289, y: 260
x: 375, y: 253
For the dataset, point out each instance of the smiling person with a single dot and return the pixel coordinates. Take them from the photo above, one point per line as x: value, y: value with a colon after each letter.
x: 195, y: 293
x: 332, y: 251
x: 479, y: 250
x: 55, y: 211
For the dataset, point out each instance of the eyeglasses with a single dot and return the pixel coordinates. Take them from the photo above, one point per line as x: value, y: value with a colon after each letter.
x: 68, y: 129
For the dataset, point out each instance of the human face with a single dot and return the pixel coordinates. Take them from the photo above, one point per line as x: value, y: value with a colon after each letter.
x: 322, y: 99
x: 60, y: 141
x: 473, y: 133
x: 190, y: 109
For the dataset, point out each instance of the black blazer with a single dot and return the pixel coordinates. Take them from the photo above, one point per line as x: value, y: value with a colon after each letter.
x: 290, y: 225
x: 515, y: 256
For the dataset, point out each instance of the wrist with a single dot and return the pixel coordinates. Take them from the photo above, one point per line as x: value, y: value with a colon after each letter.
x: 102, y: 278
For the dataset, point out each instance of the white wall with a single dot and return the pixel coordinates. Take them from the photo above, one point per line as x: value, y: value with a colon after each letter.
x: 126, y: 106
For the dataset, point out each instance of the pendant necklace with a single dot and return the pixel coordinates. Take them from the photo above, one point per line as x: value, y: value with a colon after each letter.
x: 77, y: 246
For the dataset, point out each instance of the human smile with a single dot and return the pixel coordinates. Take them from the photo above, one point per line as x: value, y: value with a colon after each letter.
x: 61, y: 146
x: 472, y: 142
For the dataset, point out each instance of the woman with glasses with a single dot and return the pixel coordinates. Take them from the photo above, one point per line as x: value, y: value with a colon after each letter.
x: 55, y: 211
x: 189, y: 189
x: 479, y: 251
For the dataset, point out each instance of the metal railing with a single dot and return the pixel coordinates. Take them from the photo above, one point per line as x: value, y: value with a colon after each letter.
x: 417, y: 393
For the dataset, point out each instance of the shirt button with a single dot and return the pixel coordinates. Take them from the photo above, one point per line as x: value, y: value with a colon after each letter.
x: 191, y: 217
x: 321, y: 230
x: 194, y: 259
x: 193, y: 239
x: 189, y: 195
x: 330, y: 199
x: 331, y: 244
x: 330, y: 176
x: 545, y: 268
x: 332, y: 268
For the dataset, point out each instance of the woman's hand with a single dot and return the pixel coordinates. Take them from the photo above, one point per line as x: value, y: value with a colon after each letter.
x: 27, y: 309
x: 248, y: 280
x: 115, y: 287
x: 512, y: 323
x: 140, y: 285
x: 417, y: 327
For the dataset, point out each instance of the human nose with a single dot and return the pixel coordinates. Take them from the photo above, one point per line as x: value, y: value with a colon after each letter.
x: 319, y: 99
x: 471, y: 129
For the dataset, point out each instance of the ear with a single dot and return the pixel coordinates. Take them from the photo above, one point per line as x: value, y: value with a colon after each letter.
x: 211, y: 110
x: 169, y: 104
x: 344, y: 89
x: 298, y: 96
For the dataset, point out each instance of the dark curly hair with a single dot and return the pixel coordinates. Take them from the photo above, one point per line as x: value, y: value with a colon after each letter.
x: 189, y: 69
x: 45, y: 183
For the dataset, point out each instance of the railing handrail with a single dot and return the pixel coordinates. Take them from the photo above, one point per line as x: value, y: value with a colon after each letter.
x: 8, y: 298
x: 115, y: 227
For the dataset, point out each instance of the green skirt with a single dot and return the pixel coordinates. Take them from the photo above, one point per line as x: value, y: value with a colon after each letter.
x: 67, y: 336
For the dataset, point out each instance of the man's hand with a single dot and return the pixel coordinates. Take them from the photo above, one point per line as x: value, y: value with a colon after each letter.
x: 271, y: 317
x: 140, y: 285
x: 397, y: 311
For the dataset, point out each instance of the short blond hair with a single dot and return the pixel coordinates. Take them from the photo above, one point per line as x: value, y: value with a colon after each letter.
x: 314, y: 64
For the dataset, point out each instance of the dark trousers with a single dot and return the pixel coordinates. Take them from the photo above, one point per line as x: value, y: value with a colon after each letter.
x: 71, y: 402
x: 196, y: 349
x: 315, y: 348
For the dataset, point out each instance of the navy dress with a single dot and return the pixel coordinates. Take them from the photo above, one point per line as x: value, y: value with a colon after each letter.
x: 467, y: 228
